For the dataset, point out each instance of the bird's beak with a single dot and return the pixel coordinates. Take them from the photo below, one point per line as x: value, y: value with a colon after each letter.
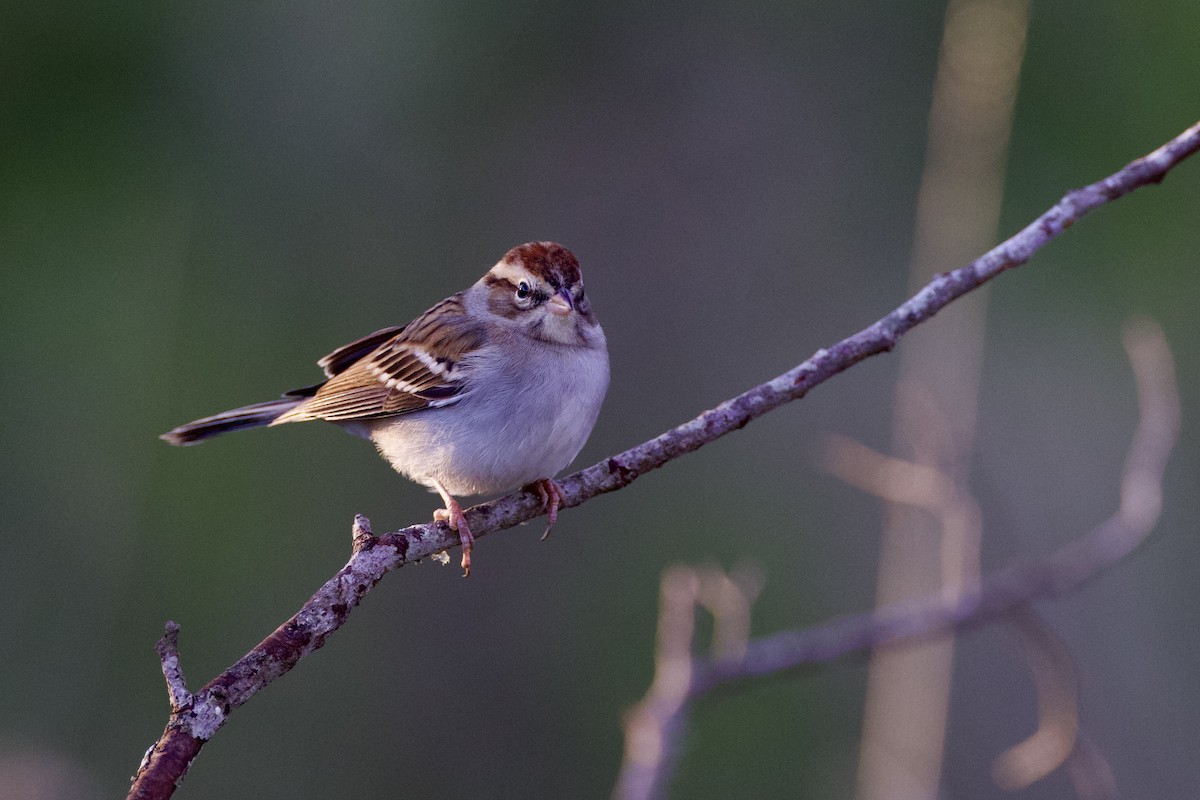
x: 561, y: 304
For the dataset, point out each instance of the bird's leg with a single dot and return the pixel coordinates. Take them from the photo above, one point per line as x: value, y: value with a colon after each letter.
x: 452, y: 514
x: 552, y: 498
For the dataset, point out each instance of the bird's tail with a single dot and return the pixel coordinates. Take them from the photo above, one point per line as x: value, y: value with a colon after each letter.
x: 235, y: 419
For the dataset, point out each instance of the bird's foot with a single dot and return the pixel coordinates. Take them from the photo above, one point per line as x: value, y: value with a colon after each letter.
x: 452, y: 515
x: 552, y: 498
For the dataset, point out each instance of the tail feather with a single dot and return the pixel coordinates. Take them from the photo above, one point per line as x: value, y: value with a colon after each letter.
x: 253, y: 416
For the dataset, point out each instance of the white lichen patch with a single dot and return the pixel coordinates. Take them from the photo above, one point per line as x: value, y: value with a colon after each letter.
x: 207, y: 717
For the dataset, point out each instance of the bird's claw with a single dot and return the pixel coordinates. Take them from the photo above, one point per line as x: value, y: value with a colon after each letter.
x: 453, y: 516
x: 551, y: 496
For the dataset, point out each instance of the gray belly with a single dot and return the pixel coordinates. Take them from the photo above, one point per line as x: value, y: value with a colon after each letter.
x: 514, y: 431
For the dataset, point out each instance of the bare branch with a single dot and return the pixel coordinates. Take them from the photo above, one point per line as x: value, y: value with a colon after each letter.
x: 654, y: 727
x: 1059, y: 738
x: 1056, y: 682
x: 920, y: 486
x: 1090, y: 772
x: 361, y: 537
x: 168, y: 654
x: 328, y: 609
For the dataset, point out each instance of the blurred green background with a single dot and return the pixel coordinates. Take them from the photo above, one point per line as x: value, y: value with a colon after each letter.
x: 199, y: 200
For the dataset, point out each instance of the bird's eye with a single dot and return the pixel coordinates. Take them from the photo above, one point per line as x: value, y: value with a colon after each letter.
x: 523, y: 290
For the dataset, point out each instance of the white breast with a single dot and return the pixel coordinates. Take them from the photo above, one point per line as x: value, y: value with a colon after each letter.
x: 526, y: 415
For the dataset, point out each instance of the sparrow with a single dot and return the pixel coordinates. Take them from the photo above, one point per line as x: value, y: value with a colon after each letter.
x: 494, y: 388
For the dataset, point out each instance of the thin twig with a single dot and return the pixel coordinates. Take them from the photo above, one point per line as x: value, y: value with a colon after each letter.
x: 654, y: 727
x: 1057, y: 686
x: 328, y: 609
x: 168, y: 654
x: 1090, y: 772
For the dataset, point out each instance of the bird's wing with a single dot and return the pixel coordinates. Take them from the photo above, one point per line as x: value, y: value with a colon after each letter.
x: 422, y: 365
x: 345, y: 356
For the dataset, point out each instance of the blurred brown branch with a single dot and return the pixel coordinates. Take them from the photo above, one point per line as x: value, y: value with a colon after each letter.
x: 932, y: 542
x: 654, y: 729
x: 1057, y: 687
x: 190, y: 726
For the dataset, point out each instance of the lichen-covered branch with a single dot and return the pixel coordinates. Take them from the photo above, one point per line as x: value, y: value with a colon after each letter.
x: 190, y: 726
x: 660, y: 716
